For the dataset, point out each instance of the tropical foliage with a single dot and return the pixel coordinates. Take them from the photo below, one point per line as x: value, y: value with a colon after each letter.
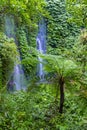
x: 59, y: 101
x: 78, y: 10
x: 61, y: 33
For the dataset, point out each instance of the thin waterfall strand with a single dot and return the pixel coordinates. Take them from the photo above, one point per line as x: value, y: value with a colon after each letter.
x: 41, y: 46
x: 18, y: 81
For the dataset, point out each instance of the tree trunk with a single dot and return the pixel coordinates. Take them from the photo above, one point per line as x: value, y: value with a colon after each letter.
x: 61, y: 85
x: 57, y: 88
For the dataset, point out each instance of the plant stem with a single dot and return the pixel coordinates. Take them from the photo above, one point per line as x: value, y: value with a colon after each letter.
x: 61, y: 84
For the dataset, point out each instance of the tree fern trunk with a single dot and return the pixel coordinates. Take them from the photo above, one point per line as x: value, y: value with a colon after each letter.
x: 57, y: 88
x: 61, y: 84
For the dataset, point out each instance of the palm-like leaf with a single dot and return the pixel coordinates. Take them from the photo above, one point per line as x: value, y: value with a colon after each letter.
x: 60, y: 65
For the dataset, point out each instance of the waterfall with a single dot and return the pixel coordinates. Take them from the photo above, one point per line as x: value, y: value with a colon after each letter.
x: 10, y: 27
x: 18, y: 80
x: 41, y: 46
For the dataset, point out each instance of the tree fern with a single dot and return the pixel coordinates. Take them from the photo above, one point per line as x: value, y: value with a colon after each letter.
x: 64, y: 69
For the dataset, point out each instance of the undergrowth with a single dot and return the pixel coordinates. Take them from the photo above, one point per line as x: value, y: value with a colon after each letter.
x: 36, y: 109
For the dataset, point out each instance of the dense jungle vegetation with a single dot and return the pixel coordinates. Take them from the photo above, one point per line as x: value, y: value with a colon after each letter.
x: 59, y: 102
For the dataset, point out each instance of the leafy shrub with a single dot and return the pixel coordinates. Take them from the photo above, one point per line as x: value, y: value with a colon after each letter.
x: 60, y: 32
x: 36, y: 110
x: 28, y: 53
x: 8, y: 55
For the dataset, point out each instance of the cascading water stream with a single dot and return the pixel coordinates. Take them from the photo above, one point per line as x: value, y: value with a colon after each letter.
x: 18, y: 80
x: 41, y: 73
x: 41, y: 46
